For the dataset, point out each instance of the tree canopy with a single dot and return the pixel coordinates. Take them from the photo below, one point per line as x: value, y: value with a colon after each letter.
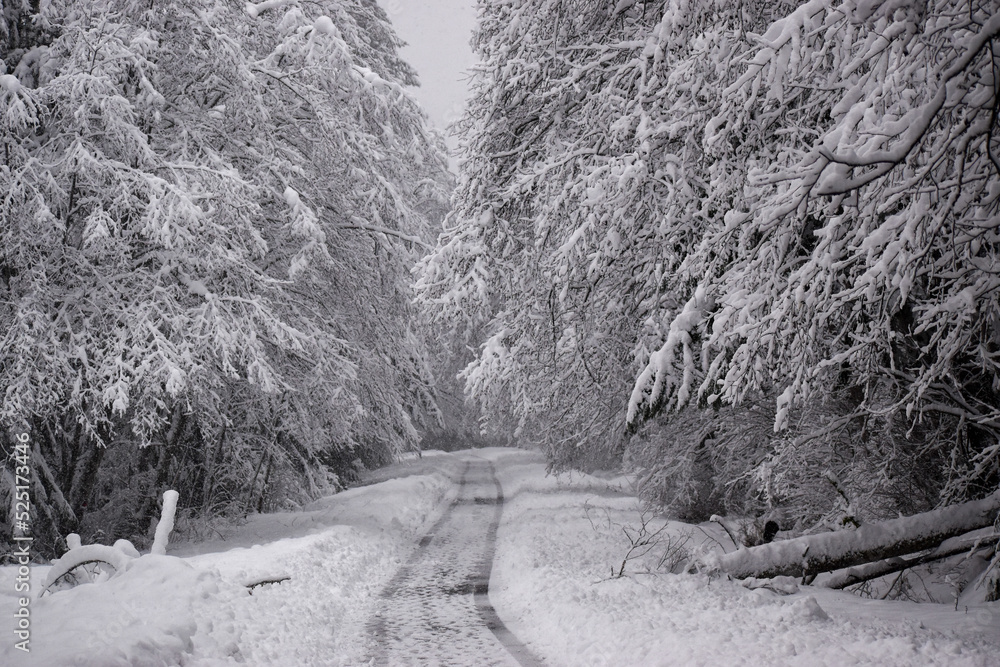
x: 209, y: 214
x: 782, y: 213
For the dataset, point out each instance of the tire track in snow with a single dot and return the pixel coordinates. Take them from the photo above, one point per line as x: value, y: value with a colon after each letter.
x: 436, y: 609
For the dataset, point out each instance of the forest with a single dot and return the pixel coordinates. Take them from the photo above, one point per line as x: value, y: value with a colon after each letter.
x: 209, y: 219
x: 746, y: 251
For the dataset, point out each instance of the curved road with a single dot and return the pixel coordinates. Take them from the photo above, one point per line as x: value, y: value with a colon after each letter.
x: 436, y: 610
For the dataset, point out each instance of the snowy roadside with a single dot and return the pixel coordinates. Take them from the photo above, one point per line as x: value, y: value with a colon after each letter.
x: 552, y: 586
x: 196, y: 610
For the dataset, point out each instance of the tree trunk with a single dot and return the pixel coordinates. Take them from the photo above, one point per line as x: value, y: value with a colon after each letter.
x: 812, y: 554
x: 869, y: 571
x: 249, y: 503
x: 64, y: 519
x: 170, y: 440
x: 213, y: 457
x: 263, y: 488
x: 85, y: 477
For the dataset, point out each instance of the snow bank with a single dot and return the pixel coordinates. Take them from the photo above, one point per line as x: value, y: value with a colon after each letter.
x: 159, y: 611
x: 197, y: 611
x: 551, y: 587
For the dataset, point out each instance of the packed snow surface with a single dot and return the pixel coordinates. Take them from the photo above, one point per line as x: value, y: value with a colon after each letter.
x: 559, y: 540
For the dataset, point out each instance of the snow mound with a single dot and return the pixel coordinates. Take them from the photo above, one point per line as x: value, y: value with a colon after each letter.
x: 807, y: 609
x: 158, y: 611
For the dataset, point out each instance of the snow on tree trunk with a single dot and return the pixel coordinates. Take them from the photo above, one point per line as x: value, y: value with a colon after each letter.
x: 871, y: 542
x: 869, y: 571
x: 166, y: 524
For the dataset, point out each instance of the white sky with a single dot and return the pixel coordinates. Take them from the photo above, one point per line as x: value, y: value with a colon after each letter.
x: 437, y: 34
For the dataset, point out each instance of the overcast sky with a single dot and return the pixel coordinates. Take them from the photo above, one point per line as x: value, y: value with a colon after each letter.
x: 437, y: 33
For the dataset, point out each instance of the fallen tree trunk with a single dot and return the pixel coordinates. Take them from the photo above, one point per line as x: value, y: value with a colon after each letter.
x: 826, y: 552
x: 869, y: 571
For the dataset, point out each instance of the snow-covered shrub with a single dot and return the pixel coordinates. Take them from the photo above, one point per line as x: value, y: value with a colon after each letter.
x: 694, y: 462
x: 650, y: 542
x: 90, y: 563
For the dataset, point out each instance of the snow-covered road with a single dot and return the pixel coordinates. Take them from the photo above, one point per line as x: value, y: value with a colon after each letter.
x: 388, y: 574
x: 436, y: 610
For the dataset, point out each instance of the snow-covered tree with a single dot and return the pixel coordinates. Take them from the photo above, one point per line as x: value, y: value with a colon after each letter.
x: 671, y: 204
x: 583, y: 188
x: 209, y: 213
x: 860, y: 256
